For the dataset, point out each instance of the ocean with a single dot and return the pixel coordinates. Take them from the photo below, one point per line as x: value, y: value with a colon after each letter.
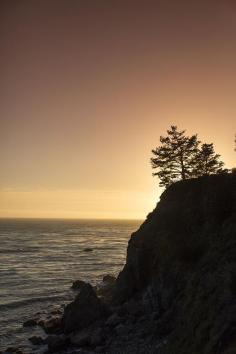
x: 39, y: 260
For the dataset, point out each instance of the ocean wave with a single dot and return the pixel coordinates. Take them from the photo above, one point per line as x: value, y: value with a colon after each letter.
x: 40, y: 259
x: 27, y: 302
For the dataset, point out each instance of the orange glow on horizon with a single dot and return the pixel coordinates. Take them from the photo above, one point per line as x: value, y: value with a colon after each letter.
x: 88, y: 88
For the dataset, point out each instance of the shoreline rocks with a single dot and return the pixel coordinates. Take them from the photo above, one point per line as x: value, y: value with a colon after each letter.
x: 78, y: 284
x: 57, y: 343
x: 84, y: 310
x: 105, y: 289
x: 36, y: 340
x: 30, y: 323
x: 52, y: 325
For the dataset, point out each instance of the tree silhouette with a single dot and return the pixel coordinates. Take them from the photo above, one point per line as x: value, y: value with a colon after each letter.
x: 174, y: 159
x: 207, y: 161
x: 179, y: 157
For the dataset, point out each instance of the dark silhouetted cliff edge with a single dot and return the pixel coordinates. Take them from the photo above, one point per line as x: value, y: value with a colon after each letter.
x: 181, y: 266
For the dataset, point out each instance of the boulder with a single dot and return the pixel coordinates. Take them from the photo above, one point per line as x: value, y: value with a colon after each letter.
x: 89, y: 337
x: 105, y: 289
x: 84, y: 310
x: 30, y: 323
x: 36, y: 340
x: 109, y: 279
x: 80, y: 339
x: 52, y: 325
x: 56, y: 311
x: 14, y: 350
x: 78, y: 284
x: 56, y: 343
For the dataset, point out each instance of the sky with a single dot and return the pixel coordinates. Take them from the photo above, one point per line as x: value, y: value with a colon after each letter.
x: 87, y: 87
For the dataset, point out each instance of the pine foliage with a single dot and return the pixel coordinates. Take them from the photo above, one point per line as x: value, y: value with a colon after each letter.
x: 179, y: 157
x: 207, y: 161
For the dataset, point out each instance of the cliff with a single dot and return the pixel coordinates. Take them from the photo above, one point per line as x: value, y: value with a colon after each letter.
x: 177, y: 291
x: 181, y: 267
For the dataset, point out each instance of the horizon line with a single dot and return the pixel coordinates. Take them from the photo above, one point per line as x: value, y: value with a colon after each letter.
x: 68, y: 218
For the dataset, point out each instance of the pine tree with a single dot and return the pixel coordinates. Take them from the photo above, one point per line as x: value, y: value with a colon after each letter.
x: 207, y: 162
x: 174, y: 159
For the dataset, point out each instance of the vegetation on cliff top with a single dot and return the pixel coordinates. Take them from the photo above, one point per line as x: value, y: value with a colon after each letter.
x: 180, y: 157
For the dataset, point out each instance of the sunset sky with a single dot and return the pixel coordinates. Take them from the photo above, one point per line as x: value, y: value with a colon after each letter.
x: 88, y: 86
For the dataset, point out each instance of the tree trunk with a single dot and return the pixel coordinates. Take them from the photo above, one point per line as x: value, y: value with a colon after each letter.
x: 182, y: 168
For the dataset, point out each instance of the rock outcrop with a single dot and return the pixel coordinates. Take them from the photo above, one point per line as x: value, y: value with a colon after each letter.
x: 181, y: 266
x: 177, y: 291
x: 84, y: 310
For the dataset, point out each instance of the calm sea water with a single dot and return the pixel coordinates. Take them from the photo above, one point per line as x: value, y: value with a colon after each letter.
x: 39, y: 259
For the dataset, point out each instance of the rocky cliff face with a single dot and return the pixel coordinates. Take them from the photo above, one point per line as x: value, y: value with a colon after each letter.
x: 181, y: 266
x: 177, y: 291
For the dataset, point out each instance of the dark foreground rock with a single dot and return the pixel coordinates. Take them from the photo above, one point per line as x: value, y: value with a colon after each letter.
x: 52, y: 325
x: 84, y: 310
x: 56, y: 343
x: 36, y: 340
x: 105, y: 289
x: 14, y: 350
x: 30, y: 323
x: 78, y: 284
